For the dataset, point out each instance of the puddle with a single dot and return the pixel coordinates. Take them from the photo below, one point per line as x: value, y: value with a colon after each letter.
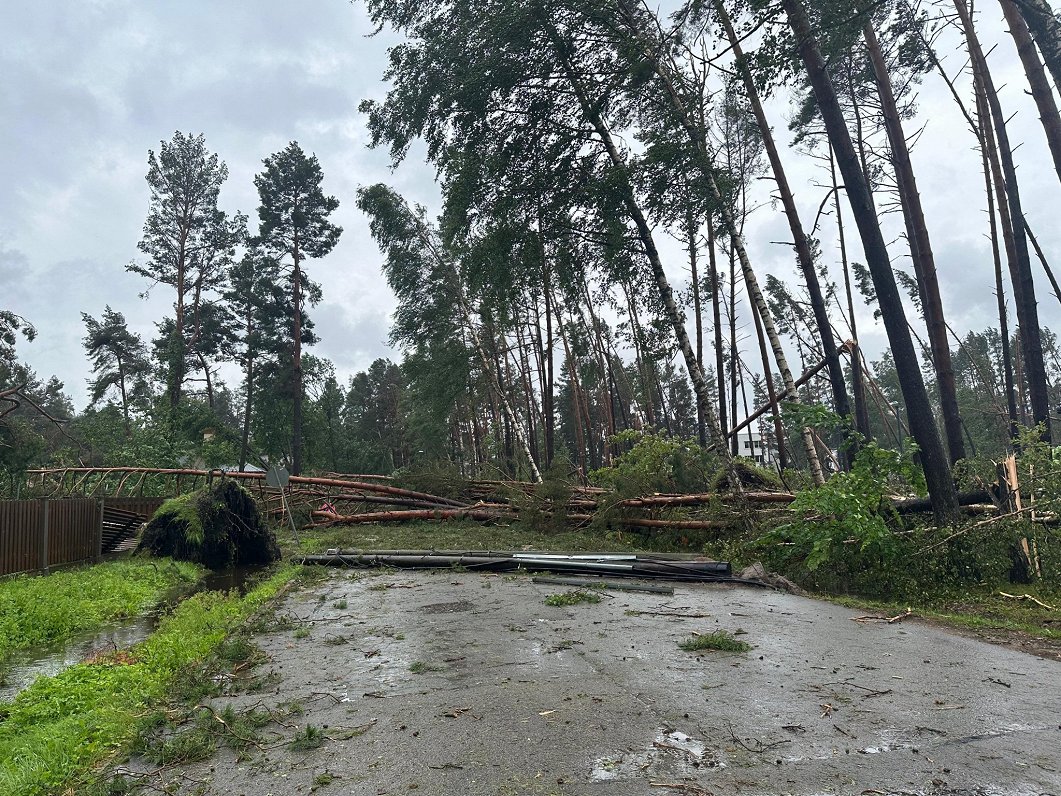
x: 25, y: 666
x: 670, y: 748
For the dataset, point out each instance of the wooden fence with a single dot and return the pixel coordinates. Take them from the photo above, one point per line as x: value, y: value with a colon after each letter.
x: 36, y: 535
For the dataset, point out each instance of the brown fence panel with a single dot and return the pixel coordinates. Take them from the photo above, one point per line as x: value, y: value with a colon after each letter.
x: 73, y: 530
x: 20, y: 534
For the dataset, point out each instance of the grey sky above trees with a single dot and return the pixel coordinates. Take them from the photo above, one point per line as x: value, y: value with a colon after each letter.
x: 88, y: 88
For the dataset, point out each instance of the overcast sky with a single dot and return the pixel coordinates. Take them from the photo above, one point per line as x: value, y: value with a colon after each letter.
x: 88, y: 86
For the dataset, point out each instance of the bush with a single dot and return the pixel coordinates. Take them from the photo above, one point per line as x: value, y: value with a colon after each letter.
x: 657, y: 463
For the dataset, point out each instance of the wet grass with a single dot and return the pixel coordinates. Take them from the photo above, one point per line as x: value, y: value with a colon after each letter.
x: 982, y: 609
x: 37, y: 611
x: 62, y: 727
x: 720, y: 640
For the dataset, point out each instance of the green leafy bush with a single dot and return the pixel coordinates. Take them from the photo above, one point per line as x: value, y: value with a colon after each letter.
x: 848, y: 517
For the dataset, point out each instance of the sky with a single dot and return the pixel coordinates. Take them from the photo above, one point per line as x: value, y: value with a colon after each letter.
x: 89, y: 86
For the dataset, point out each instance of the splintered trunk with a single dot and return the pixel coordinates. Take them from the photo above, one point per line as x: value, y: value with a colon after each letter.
x: 1037, y: 80
x: 1023, y: 281
x: 920, y: 250
x: 919, y: 409
x: 1046, y: 29
x: 804, y: 255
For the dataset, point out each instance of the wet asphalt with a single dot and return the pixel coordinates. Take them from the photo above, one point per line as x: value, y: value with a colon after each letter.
x: 464, y: 683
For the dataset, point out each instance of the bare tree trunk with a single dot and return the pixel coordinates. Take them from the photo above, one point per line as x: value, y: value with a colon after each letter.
x: 919, y: 409
x: 804, y: 255
x: 734, y: 355
x: 771, y: 393
x: 996, y: 188
x: 1037, y: 80
x: 716, y: 315
x: 690, y: 228
x: 920, y: 249
x: 1023, y: 281
x: 858, y: 385
x: 296, y: 361
x: 1046, y: 28
x: 666, y: 293
x: 1042, y: 259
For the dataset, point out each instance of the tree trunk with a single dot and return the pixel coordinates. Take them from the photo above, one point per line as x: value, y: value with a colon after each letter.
x: 644, y: 232
x: 1037, y: 80
x: 698, y: 321
x: 548, y: 389
x: 804, y: 255
x: 1046, y: 28
x: 716, y: 313
x: 920, y: 249
x: 1023, y: 282
x: 771, y: 394
x: 296, y: 362
x: 858, y: 384
x: 244, y: 445
x: 919, y: 409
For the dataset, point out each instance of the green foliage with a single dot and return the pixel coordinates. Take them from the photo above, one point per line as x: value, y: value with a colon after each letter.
x: 543, y: 509
x: 656, y: 462
x: 847, y: 517
x: 720, y: 640
x: 61, y: 726
x: 310, y: 738
x: 47, y: 610
x: 576, y: 597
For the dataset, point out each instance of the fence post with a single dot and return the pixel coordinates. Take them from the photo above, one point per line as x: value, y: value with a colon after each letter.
x: 44, y: 535
x: 99, y: 534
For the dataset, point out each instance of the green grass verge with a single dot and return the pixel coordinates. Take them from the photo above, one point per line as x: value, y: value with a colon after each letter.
x: 461, y: 536
x: 38, y: 611
x: 62, y: 726
x: 982, y: 609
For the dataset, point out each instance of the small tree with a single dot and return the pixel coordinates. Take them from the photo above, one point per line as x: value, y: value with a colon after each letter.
x: 119, y: 361
x: 294, y: 224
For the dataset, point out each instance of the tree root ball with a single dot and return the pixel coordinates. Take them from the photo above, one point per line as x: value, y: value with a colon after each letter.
x: 219, y: 527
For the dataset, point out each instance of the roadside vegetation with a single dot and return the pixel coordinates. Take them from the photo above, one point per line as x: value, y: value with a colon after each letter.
x: 36, y: 611
x: 56, y: 731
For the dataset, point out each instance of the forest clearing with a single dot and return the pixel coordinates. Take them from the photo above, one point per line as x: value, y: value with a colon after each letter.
x: 601, y: 397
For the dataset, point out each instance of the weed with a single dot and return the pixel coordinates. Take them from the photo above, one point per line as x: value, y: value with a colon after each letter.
x: 310, y: 738
x: 237, y: 649
x: 419, y: 667
x: 302, y: 632
x: 322, y: 779
x: 335, y: 640
x: 340, y: 605
x: 719, y: 640
x: 573, y: 598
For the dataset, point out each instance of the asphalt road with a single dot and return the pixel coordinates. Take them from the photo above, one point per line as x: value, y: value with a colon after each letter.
x: 467, y: 684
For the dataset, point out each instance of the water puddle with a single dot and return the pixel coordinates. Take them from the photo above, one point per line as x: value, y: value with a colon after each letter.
x: 671, y: 748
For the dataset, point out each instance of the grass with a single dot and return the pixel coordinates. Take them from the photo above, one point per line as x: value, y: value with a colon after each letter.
x: 310, y: 738
x: 467, y: 536
x: 37, y: 611
x: 977, y: 609
x: 720, y: 640
x: 420, y: 667
x: 573, y: 598
x: 60, y: 727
